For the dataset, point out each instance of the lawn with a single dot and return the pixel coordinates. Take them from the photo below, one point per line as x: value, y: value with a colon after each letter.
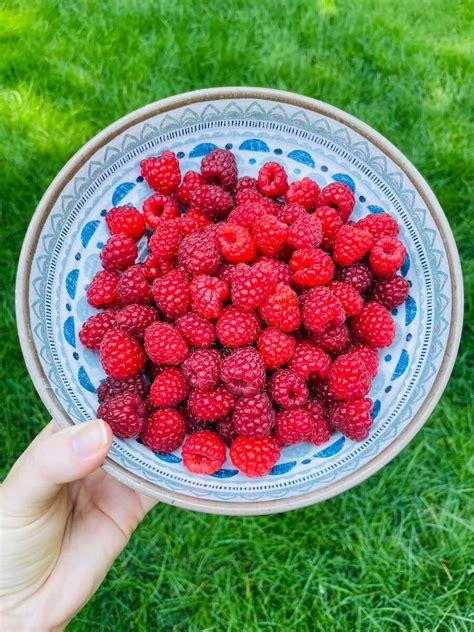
x: 391, y: 554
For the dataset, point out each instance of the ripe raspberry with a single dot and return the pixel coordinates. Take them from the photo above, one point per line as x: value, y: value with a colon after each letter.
x: 212, y: 403
x: 270, y: 234
x: 164, y: 344
x: 254, y: 456
x: 243, y: 372
x: 352, y: 418
x: 351, y: 244
x: 197, y: 330
x: 168, y: 388
x: 219, y: 167
x: 151, y: 267
x: 333, y: 339
x: 292, y: 426
x: 235, y: 243
x: 127, y: 220
x: 171, y: 293
x: 124, y: 413
x: 304, y: 192
x: 349, y: 297
x: 208, y: 295
x: 311, y: 267
x: 310, y: 362
x: 191, y: 181
x: 164, y: 430
x: 358, y: 275
x: 211, y: 229
x: 226, y: 429
x: 289, y: 213
x: 275, y: 347
x: 159, y: 208
x: 305, y: 232
x: 348, y: 378
x: 136, y: 318
x: 251, y: 285
x: 374, y: 325
x: 212, y: 201
x: 111, y: 388
x: 368, y: 356
x: 193, y: 221
x: 163, y: 173
x: 386, y: 256
x: 102, y: 290
x: 254, y: 415
x: 281, y: 309
x: 244, y: 183
x: 199, y: 254
x: 236, y: 328
x: 339, y: 197
x: 331, y: 222
x: 272, y: 179
x: 164, y: 242
x: 121, y: 355
x: 252, y: 196
x: 390, y: 292
x: 280, y: 268
x: 203, y: 452
x: 287, y: 389
x: 119, y: 252
x: 93, y: 330
x: 320, y: 428
x: 133, y: 287
x: 321, y: 391
x: 247, y: 214
x: 379, y: 225
x: 321, y: 309
x: 202, y: 368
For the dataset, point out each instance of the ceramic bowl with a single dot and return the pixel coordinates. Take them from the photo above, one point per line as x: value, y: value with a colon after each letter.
x: 310, y: 138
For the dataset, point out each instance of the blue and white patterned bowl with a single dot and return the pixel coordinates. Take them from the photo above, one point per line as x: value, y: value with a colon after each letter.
x: 61, y: 254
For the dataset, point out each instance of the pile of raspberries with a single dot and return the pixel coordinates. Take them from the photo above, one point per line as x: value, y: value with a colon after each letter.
x: 254, y: 320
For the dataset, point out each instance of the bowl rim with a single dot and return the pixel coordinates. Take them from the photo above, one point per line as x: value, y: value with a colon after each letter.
x: 48, y: 200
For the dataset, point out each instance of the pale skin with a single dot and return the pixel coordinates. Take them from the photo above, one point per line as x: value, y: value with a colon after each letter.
x: 63, y: 521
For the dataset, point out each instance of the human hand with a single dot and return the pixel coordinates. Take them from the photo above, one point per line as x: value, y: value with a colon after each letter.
x: 63, y: 521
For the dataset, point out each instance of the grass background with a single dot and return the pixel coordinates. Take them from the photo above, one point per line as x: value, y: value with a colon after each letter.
x: 392, y: 554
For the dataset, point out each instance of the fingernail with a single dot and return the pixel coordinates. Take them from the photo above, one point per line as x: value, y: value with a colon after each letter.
x: 89, y: 438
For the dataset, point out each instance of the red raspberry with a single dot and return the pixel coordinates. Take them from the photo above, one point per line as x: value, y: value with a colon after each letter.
x: 287, y: 389
x: 93, y: 330
x: 124, y: 413
x: 171, y: 293
x: 211, y: 229
x: 254, y: 415
x: 272, y: 179
x: 348, y: 378
x: 311, y: 267
x: 163, y: 173
x: 254, y: 456
x: 191, y: 181
x: 321, y: 391
x: 358, y: 275
x: 351, y: 244
x: 246, y: 182
x: 151, y: 267
x: 219, y: 167
x: 289, y: 213
x: 333, y: 338
x: 281, y: 309
x: 121, y: 355
x: 164, y: 344
x: 320, y: 428
x: 168, y: 388
x: 212, y: 403
x: 164, y: 430
x: 119, y: 252
x: 197, y: 330
x: 235, y: 243
x: 110, y: 387
x: 243, y: 372
x: 136, y: 318
x: 270, y: 234
x: 160, y: 208
x: 339, y: 197
x: 203, y: 452
x: 305, y: 232
x: 349, y: 297
x: 164, y: 242
x: 252, y: 196
x: 133, y: 287
x: 280, y: 268
x: 202, y: 368
x: 331, y: 222
x: 236, y: 328
x: 310, y: 363
x: 374, y: 325
x: 386, y: 256
x: 368, y: 356
x: 102, y: 290
x: 390, y: 292
x: 379, y: 225
x: 207, y: 295
x: 352, y: 418
x: 247, y: 214
x: 199, y: 254
x: 275, y: 347
x: 127, y: 220
x: 293, y: 426
x: 321, y: 309
x: 212, y: 201
x: 304, y: 192
x: 251, y: 285
x: 193, y: 221
x: 226, y: 429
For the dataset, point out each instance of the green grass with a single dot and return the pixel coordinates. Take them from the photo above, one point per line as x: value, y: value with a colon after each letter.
x: 392, y: 554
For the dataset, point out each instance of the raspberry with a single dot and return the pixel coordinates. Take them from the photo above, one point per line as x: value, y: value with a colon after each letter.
x: 280, y: 268
x: 102, y: 290
x: 333, y: 338
x: 203, y: 452
x: 310, y: 363
x: 351, y: 244
x: 171, y: 293
x: 386, y: 256
x: 236, y: 328
x: 151, y: 267
x: 390, y: 292
x: 352, y: 418
x: 119, y: 252
x: 212, y: 403
x: 289, y: 213
x: 95, y: 327
x: 164, y: 344
x: 320, y: 428
x: 219, y: 167
x: 275, y: 347
x: 211, y: 229
x: 287, y: 389
x: 136, y: 318
x: 159, y: 208
x: 305, y: 232
x: 348, y: 378
x: 212, y: 201
x: 321, y: 309
x: 124, y: 413
x: 331, y: 222
x: 254, y: 415
x: 247, y: 214
x: 168, y: 388
x: 164, y: 430
x: 253, y: 196
x: 133, y: 287
x: 270, y: 234
x: 192, y: 423
x: 374, y: 325
x: 226, y: 429
x: 281, y: 309
x: 368, y: 356
x: 199, y: 254
x: 207, y: 295
x: 121, y: 355
x: 292, y: 426
x: 349, y: 297
x: 193, y: 221
x: 304, y: 192
x: 251, y: 285
x: 191, y: 181
x: 243, y: 372
x: 272, y: 179
x: 358, y: 275
x: 164, y: 242
x: 197, y: 330
x: 246, y: 183
x: 110, y: 387
x: 311, y: 267
x: 379, y: 225
x: 235, y: 243
x: 202, y: 368
x: 127, y: 220
x: 254, y: 456
x: 339, y: 197
x: 163, y: 173
x: 322, y: 392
